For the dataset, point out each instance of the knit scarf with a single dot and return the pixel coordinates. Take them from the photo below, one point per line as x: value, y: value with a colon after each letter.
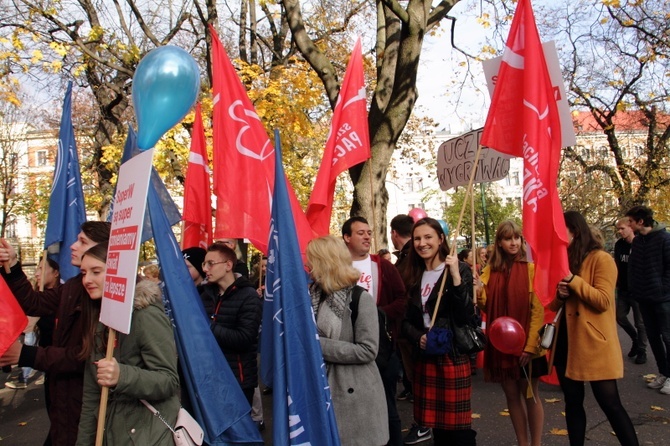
x: 507, y: 294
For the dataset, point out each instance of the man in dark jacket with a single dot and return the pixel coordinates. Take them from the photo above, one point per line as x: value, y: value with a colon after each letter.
x: 60, y: 360
x: 624, y: 303
x: 380, y: 278
x: 649, y: 285
x: 235, y: 312
x: 401, y: 237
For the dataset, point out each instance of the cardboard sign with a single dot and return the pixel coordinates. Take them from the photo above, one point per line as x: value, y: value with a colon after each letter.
x: 492, y: 66
x: 456, y: 156
x: 123, y: 250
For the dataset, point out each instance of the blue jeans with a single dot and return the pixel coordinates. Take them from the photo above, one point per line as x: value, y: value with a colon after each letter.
x: 29, y: 339
x: 657, y: 322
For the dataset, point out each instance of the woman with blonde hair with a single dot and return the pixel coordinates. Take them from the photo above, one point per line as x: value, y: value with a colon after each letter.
x: 349, y: 346
x: 507, y: 290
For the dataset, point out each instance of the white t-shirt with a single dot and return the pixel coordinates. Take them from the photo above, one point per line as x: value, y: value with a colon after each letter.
x: 365, y: 280
x: 428, y: 282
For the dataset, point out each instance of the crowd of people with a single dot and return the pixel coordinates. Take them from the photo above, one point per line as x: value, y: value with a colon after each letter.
x: 357, y: 298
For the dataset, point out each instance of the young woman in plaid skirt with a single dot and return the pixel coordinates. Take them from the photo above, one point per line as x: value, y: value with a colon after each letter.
x: 442, y: 384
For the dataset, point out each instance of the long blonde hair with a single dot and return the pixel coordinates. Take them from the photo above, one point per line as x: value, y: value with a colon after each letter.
x: 332, y: 268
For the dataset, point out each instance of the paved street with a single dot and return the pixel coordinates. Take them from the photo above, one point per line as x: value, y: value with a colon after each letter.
x: 23, y: 420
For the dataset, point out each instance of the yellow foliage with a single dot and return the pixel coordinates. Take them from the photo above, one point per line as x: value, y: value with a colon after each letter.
x: 37, y: 56
x: 16, y: 42
x: 612, y: 3
x: 96, y: 33
x: 58, y: 48
x: 484, y: 20
x: 55, y: 66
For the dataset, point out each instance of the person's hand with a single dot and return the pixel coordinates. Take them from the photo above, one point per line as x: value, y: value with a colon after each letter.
x: 108, y: 372
x: 452, y: 264
x: 563, y: 290
x: 524, y: 359
x: 12, y: 354
x: 422, y: 342
x: 8, y: 255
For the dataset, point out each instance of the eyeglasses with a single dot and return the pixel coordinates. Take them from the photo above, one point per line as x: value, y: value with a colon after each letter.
x: 211, y: 263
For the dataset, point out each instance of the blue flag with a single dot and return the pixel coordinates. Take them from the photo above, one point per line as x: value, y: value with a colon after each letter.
x: 170, y: 209
x: 218, y: 402
x: 291, y: 358
x: 67, y: 210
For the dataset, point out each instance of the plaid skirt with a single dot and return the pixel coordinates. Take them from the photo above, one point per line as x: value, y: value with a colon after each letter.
x: 442, y: 389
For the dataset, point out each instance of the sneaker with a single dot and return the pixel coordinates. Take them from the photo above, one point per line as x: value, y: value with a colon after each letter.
x: 418, y: 434
x: 641, y: 357
x: 16, y: 385
x: 633, y: 351
x: 658, y: 382
x: 404, y: 395
x: 40, y: 381
x: 665, y: 389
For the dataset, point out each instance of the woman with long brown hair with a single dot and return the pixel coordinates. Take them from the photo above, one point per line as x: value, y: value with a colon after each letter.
x: 144, y: 365
x: 440, y: 381
x: 507, y: 291
x: 586, y: 344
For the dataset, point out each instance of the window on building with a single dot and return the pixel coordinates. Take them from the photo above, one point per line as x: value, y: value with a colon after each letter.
x: 42, y: 157
x: 419, y: 184
x: 10, y: 228
x: 514, y: 178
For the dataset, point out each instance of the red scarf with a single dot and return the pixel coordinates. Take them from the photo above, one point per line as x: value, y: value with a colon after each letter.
x: 507, y: 294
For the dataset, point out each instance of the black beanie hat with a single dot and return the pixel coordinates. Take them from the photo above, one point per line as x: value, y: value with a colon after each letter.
x: 195, y: 256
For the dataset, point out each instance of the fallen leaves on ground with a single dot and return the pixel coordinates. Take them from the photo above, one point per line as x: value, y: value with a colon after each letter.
x: 649, y: 377
x: 657, y: 408
x: 557, y: 431
x: 23, y: 423
x: 504, y: 413
x: 552, y: 400
x: 476, y: 415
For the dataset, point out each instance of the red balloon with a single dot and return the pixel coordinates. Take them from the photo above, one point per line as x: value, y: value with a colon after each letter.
x: 507, y: 335
x: 417, y: 214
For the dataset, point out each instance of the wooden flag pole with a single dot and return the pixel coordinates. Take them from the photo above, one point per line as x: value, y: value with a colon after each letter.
x: 458, y: 226
x: 104, y: 393
x: 44, y: 270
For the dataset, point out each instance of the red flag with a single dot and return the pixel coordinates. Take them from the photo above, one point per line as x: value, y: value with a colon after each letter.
x: 244, y: 162
x: 348, y: 143
x: 523, y: 121
x: 197, y: 192
x: 12, y: 318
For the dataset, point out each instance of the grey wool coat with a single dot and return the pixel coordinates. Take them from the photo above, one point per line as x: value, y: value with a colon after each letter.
x: 147, y: 359
x: 355, y: 384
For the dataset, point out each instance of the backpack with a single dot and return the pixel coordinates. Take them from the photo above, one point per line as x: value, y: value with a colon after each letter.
x: 385, y: 340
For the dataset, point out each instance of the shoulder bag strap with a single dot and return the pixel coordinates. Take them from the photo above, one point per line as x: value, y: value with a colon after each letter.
x: 157, y: 414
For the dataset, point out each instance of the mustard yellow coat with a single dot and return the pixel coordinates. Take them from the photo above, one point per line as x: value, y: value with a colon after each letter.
x: 536, y: 319
x: 594, y: 352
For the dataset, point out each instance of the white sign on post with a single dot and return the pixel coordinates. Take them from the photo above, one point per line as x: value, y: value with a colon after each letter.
x: 492, y: 66
x: 123, y: 250
x: 456, y: 156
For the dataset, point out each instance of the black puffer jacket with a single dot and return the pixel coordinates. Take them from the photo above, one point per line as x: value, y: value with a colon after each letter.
x: 235, y: 318
x: 649, y: 266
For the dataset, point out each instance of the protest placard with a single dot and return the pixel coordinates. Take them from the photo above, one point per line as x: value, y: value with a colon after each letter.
x: 124, y: 241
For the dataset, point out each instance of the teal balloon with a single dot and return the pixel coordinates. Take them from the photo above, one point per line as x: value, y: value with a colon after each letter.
x: 165, y: 87
x: 445, y: 227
